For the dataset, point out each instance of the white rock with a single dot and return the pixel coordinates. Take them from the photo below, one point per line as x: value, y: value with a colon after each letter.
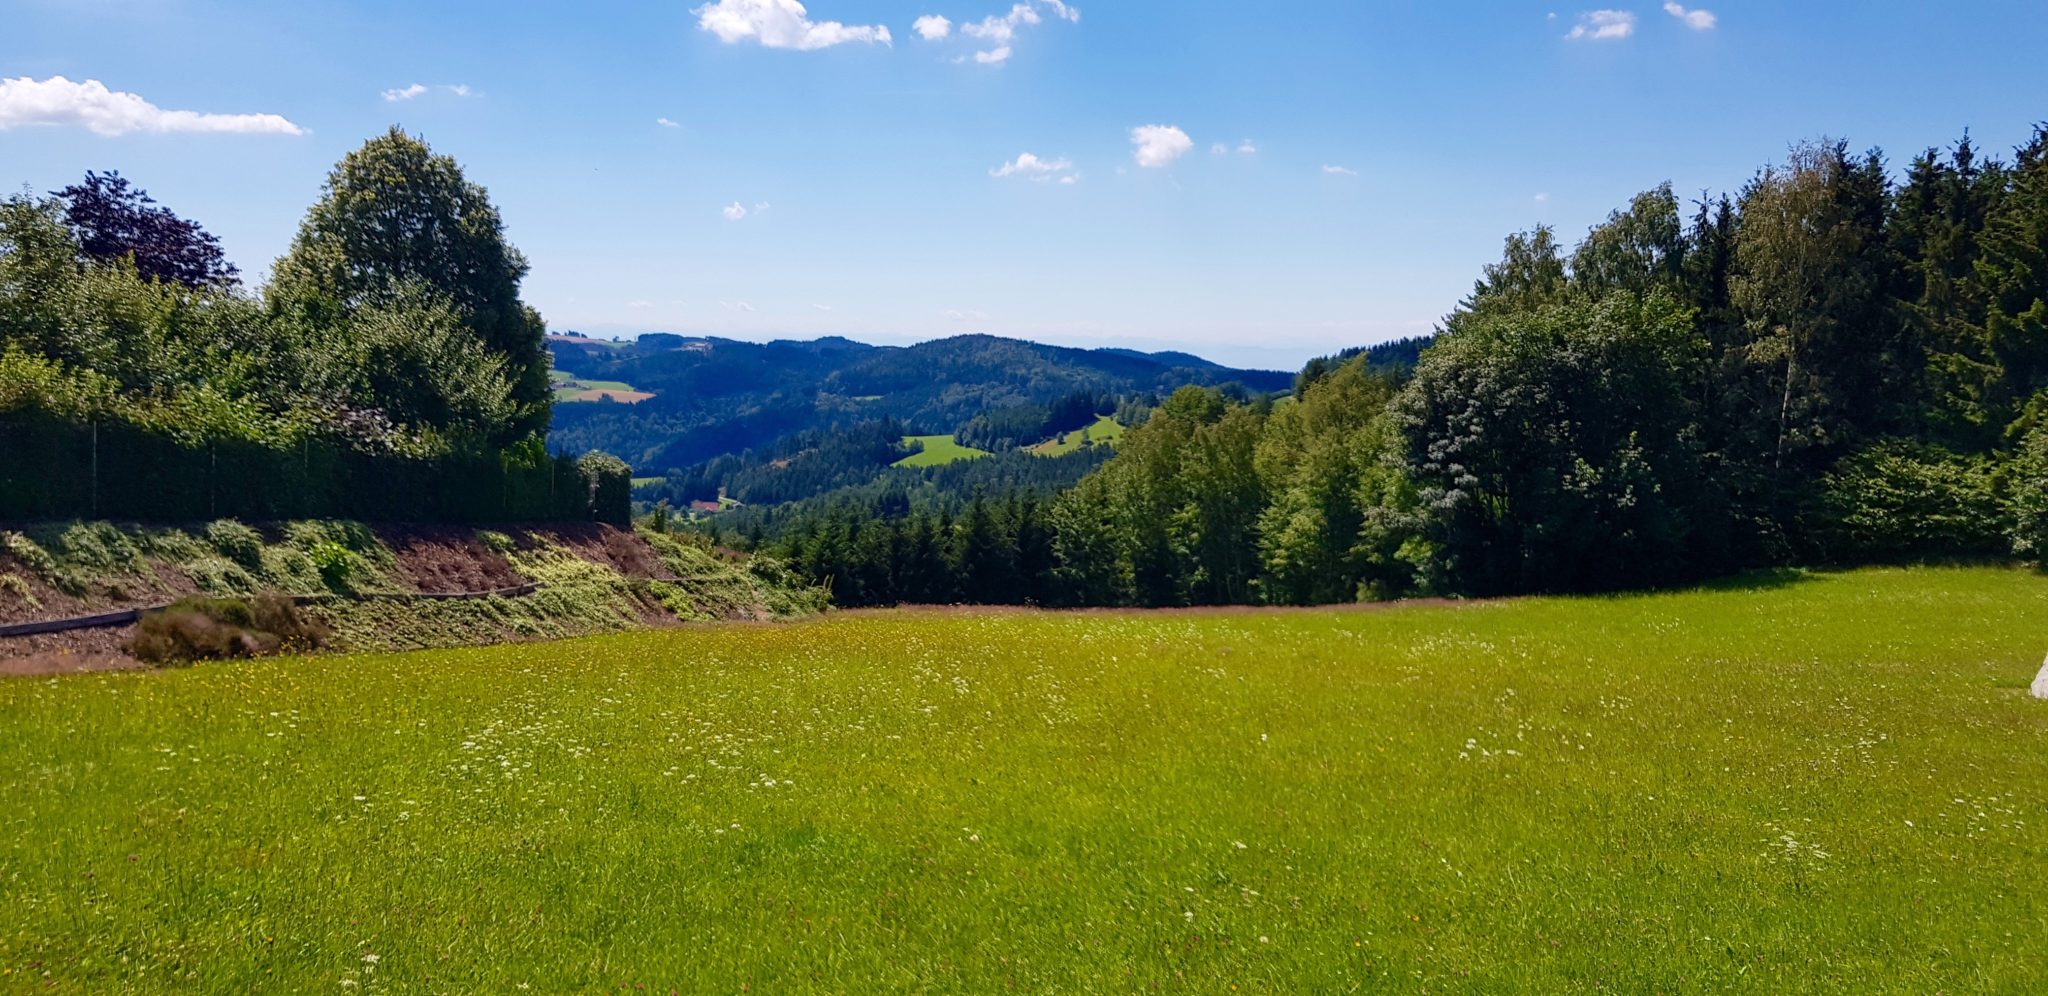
x: 2041, y: 682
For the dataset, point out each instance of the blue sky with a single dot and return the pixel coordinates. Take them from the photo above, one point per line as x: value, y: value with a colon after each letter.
x: 1345, y: 170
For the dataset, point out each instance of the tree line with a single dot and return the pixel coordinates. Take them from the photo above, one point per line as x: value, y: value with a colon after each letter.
x: 1829, y: 366
x: 388, y: 369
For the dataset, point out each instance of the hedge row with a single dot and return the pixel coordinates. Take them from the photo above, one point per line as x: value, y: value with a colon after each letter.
x: 51, y: 467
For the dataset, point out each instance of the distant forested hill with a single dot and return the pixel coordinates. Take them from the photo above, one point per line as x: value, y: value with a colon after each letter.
x: 714, y: 397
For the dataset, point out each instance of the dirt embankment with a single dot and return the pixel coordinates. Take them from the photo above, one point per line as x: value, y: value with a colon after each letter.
x: 593, y: 577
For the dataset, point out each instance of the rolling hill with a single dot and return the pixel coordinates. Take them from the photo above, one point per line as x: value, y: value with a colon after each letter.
x: 713, y: 397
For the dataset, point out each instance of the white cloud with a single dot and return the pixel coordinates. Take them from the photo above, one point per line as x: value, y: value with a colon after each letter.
x: 932, y: 27
x: 58, y: 101
x: 1543, y: 198
x: 1696, y: 19
x: 1159, y: 145
x: 639, y: 305
x: 1246, y: 148
x: 666, y: 123
x: 1604, y: 25
x: 954, y: 314
x: 735, y: 211
x: 821, y: 307
x: 421, y: 89
x: 1339, y: 171
x: 781, y: 24
x: 1002, y: 29
x: 1031, y: 167
x: 999, y: 32
x: 735, y: 305
x: 1219, y: 149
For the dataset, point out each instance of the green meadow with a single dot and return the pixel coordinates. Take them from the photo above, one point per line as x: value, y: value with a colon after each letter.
x: 1798, y: 783
x: 938, y: 451
x: 1106, y: 431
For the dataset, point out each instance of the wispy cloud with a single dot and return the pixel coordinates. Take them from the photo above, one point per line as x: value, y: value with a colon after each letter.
x: 667, y: 123
x: 1603, y: 25
x: 1155, y: 146
x: 957, y: 315
x: 1694, y: 18
x: 821, y: 307
x: 1031, y: 167
x: 91, y: 105
x: 781, y: 24
x: 1543, y: 198
x: 999, y: 31
x: 735, y: 212
x: 735, y: 305
x: 421, y: 89
x: 1339, y: 171
x: 932, y: 27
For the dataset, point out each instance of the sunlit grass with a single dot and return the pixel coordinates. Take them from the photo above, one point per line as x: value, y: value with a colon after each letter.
x: 938, y: 451
x: 1105, y: 432
x: 1832, y: 783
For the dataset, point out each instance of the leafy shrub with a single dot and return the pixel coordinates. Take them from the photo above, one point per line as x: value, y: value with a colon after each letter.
x: 610, y: 484
x: 1898, y: 502
x: 337, y: 564
x: 236, y: 542
x: 205, y: 629
x: 2029, y: 505
x: 17, y: 586
x: 99, y: 549
x: 31, y: 556
x: 220, y: 576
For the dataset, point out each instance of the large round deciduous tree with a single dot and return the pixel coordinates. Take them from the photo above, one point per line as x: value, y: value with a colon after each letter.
x: 395, y: 217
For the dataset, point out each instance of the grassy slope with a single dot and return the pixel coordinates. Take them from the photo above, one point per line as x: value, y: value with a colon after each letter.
x: 1106, y: 430
x: 1835, y: 784
x: 938, y: 451
x: 569, y: 388
x: 82, y: 568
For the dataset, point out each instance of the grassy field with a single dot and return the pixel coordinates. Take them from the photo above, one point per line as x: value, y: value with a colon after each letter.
x: 569, y: 388
x: 1106, y: 431
x: 938, y: 451
x: 1805, y: 783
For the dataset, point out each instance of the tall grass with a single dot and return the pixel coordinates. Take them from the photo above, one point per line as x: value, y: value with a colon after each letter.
x: 1811, y: 783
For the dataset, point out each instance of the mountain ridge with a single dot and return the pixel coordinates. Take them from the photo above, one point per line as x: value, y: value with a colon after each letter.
x: 715, y: 396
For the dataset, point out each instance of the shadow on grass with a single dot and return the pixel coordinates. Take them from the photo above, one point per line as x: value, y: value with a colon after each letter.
x: 1766, y: 579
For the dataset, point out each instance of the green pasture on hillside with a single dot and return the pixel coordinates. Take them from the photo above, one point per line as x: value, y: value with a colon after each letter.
x: 570, y: 388
x: 938, y: 451
x: 1105, y: 432
x: 1798, y: 783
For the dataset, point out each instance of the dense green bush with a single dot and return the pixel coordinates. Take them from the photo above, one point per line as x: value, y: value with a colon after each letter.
x: 2028, y: 486
x: 610, y: 484
x: 336, y: 563
x: 201, y: 629
x: 1898, y: 502
x: 236, y: 542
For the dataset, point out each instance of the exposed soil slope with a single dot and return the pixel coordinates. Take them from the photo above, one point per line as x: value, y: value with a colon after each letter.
x: 591, y: 578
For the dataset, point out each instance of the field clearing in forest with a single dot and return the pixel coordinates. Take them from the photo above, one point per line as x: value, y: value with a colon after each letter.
x: 938, y: 451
